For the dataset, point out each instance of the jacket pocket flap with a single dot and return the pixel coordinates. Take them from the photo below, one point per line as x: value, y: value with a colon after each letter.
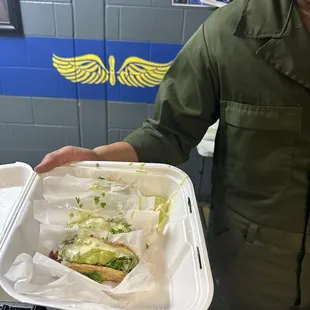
x: 263, y: 117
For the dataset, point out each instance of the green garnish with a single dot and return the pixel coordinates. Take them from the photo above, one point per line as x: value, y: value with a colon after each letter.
x: 103, y: 204
x: 78, y: 200
x: 94, y: 276
x: 119, y: 226
x: 68, y: 241
x: 96, y: 199
x: 122, y: 222
x: 71, y: 215
x: 97, y: 165
x: 103, y: 194
x: 147, y: 245
x: 115, y: 231
x: 125, y: 263
x: 101, y: 178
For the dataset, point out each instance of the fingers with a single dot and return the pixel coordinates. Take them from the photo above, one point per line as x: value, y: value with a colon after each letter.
x: 56, y: 159
x: 63, y: 156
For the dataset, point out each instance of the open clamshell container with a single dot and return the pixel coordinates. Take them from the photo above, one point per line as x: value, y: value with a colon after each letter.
x: 190, y: 284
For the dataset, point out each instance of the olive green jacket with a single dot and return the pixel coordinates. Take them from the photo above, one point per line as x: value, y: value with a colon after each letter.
x: 249, y: 66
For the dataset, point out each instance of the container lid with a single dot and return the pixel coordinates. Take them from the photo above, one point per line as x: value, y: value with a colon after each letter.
x: 14, y: 179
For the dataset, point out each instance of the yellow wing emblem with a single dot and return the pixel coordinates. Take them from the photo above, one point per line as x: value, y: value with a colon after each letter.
x: 138, y: 72
x: 89, y: 69
x: 86, y: 69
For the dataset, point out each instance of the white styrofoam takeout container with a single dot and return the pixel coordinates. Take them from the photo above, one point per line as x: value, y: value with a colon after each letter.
x: 186, y: 258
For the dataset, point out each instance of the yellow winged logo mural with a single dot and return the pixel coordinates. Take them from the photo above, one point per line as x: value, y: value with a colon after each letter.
x: 90, y: 69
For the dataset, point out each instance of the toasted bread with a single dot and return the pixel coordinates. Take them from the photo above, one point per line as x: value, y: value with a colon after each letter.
x: 108, y: 274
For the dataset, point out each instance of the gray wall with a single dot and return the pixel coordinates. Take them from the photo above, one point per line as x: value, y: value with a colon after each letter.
x: 31, y: 127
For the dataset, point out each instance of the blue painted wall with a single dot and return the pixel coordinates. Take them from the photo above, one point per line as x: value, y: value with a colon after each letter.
x: 26, y: 67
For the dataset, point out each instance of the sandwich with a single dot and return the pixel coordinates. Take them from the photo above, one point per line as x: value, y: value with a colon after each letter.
x: 96, y: 258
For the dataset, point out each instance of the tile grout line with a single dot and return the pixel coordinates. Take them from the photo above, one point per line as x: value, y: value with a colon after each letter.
x: 106, y: 85
x: 32, y: 111
x: 78, y: 105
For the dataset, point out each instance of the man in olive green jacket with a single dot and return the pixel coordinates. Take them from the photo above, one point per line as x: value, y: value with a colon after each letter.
x: 248, y: 65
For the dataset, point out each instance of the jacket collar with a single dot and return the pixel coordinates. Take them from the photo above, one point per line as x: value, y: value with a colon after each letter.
x: 262, y: 19
x: 283, y: 40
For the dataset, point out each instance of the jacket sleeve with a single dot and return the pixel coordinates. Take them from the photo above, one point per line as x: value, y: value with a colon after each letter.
x: 186, y: 105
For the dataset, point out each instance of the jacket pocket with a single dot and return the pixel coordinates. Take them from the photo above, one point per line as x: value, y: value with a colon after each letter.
x: 260, y: 144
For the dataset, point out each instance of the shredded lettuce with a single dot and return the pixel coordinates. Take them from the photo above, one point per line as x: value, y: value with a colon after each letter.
x: 119, y: 226
x: 94, y: 276
x: 113, y: 225
x: 162, y: 206
x: 125, y: 263
x: 98, y: 187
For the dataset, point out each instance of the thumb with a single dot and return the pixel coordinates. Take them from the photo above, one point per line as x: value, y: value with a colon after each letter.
x: 55, y: 159
x: 48, y: 163
x: 63, y: 156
